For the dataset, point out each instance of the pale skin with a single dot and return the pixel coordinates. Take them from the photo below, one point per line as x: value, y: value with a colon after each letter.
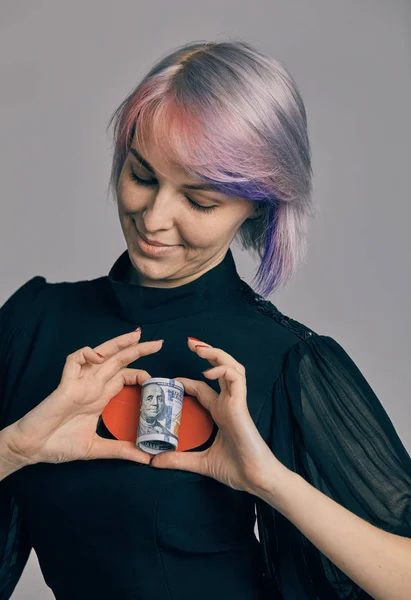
x: 62, y: 428
x: 379, y: 562
x: 163, y: 213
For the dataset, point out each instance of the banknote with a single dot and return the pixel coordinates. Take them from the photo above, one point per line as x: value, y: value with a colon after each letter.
x: 160, y: 415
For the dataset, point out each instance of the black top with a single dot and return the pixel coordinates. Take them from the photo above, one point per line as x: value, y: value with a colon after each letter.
x: 112, y: 528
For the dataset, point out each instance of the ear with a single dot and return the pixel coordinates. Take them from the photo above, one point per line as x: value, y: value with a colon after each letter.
x: 257, y: 212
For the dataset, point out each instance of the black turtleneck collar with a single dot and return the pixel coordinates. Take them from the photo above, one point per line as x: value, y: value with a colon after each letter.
x: 140, y: 304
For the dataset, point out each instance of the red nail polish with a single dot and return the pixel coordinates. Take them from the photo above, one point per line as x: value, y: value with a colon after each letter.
x: 201, y: 346
x: 100, y: 355
x: 195, y: 339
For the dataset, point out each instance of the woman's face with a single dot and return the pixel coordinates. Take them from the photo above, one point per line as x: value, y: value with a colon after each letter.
x: 164, y: 211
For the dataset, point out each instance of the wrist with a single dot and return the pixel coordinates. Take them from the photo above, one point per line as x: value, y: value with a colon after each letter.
x: 275, y: 484
x: 11, y: 459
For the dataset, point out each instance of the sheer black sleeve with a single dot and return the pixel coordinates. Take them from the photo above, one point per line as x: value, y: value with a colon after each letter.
x: 326, y: 423
x: 15, y: 545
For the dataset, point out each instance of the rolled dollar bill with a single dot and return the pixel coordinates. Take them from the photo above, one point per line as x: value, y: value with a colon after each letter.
x: 160, y: 415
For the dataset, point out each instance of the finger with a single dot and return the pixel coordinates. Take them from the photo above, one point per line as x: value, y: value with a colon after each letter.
x: 200, y: 390
x: 184, y: 461
x: 126, y: 376
x: 110, y: 367
x: 141, y: 376
x: 215, y: 356
x: 235, y: 381
x: 104, y: 448
x: 77, y: 359
x: 218, y: 357
x: 112, y: 388
x: 111, y: 347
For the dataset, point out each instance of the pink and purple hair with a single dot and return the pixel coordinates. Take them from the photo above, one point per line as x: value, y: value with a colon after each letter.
x: 232, y: 117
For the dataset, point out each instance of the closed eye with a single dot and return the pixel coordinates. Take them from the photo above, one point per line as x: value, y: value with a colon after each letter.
x: 150, y: 182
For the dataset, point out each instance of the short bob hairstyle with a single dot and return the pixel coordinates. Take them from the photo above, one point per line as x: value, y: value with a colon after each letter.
x: 233, y: 117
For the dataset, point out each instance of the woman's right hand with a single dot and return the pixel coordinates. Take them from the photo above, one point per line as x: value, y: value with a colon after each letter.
x: 63, y: 427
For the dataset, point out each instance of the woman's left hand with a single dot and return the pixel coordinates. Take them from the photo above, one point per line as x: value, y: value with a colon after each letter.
x: 238, y: 457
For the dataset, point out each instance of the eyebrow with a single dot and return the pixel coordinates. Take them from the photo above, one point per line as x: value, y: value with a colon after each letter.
x: 190, y: 186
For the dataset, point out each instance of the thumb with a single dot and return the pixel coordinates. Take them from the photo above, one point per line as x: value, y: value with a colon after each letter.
x: 103, y: 448
x: 184, y: 461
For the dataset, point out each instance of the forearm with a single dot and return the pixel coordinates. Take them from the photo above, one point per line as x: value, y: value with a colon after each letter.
x: 9, y: 462
x: 378, y: 561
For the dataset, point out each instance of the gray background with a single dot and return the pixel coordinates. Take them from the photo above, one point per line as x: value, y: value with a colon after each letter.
x: 65, y: 66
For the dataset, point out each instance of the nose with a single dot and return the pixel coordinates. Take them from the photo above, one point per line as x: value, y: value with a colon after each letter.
x: 159, y: 212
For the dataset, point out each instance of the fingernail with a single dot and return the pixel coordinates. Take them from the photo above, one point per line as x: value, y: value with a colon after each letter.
x: 100, y: 355
x: 201, y: 346
x: 138, y: 329
x: 196, y: 340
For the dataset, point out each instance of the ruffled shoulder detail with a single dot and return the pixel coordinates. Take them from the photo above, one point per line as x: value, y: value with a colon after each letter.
x: 327, y: 424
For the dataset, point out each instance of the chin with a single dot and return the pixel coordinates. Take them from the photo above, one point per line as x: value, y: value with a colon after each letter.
x: 151, y: 267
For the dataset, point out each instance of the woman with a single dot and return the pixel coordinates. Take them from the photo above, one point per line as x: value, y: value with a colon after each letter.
x: 212, y: 145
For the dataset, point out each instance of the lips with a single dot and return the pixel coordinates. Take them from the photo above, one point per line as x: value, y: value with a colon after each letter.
x: 154, y: 243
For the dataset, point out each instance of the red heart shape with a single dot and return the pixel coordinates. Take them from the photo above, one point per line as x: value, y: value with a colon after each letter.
x: 122, y: 413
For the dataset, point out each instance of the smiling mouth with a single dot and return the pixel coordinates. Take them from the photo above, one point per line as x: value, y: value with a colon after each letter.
x: 156, y: 244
